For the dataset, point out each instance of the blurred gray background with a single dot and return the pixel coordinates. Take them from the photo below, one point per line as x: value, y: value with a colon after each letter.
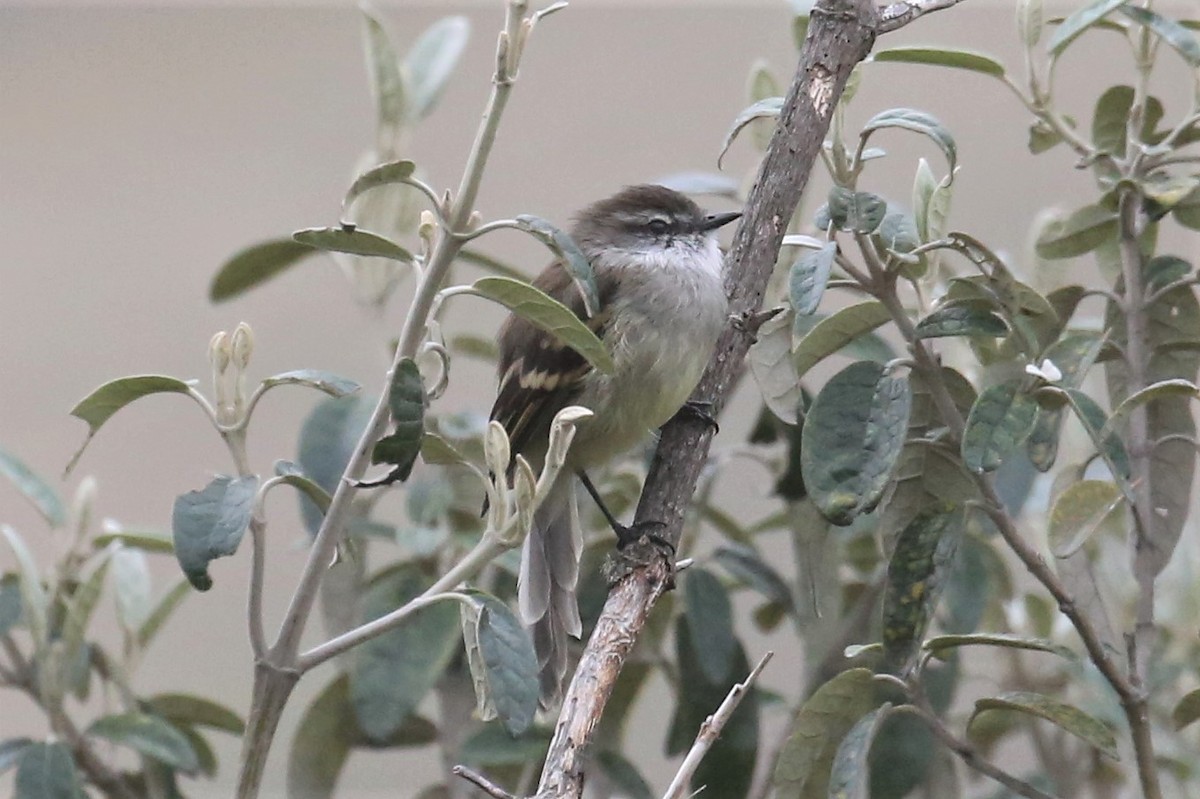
x: 143, y: 143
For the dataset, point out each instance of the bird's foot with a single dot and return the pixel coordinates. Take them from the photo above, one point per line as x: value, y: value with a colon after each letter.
x: 702, y: 410
x: 633, y: 533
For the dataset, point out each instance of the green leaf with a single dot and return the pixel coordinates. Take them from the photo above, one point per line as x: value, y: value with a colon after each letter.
x: 11, y: 751
x: 209, y: 524
x: 406, y: 403
x: 34, y: 601
x: 492, y: 746
x: 942, y: 57
x: 394, y: 671
x: 291, y: 474
x: 940, y: 644
x: 158, y: 617
x: 10, y: 602
x: 1177, y: 387
x: 709, y: 616
x: 327, y: 382
x: 34, y: 489
x: 1095, y: 422
x: 806, y: 759
x: 327, y: 440
x: 849, y: 778
x: 728, y: 767
x: 836, y: 331
x: 1029, y: 21
x: 808, y: 277
x: 919, y: 121
x: 1080, y: 21
x: 963, y: 318
x: 503, y: 663
x: 1186, y: 712
x: 537, y: 307
x: 325, y: 735
x: 760, y: 86
x: 149, y: 735
x: 768, y: 107
x: 196, y: 710
x: 383, y: 68
x: 1079, y: 512
x: 931, y: 203
x: 351, y: 240
x: 916, y: 575
x: 1187, y: 211
x: 999, y: 422
x: 256, y: 264
x: 857, y: 211
x: 1163, y: 270
x: 853, y: 436
x: 382, y: 175
x: 430, y: 63
x: 80, y: 608
x: 623, y: 775
x: 1070, y: 718
x: 1110, y: 120
x: 743, y: 563
x: 898, y: 232
x: 770, y: 359
x: 99, y: 406
x: 1077, y: 234
x: 569, y: 256
x: 47, y: 771
x: 1170, y: 31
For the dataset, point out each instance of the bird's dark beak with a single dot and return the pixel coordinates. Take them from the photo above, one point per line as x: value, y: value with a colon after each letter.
x: 714, y: 221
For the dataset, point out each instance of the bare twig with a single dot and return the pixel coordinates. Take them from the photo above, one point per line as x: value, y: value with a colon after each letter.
x: 484, y: 784
x: 710, y: 731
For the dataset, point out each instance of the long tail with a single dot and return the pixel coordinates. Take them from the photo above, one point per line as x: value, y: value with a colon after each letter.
x: 546, y: 584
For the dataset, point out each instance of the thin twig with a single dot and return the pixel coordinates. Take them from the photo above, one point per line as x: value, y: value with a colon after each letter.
x: 896, y: 15
x: 710, y: 731
x: 482, y: 782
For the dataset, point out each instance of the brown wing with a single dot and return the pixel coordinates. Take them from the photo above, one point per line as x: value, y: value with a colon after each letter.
x: 539, y: 375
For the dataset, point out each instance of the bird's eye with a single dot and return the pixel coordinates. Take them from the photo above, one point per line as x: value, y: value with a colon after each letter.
x: 658, y: 225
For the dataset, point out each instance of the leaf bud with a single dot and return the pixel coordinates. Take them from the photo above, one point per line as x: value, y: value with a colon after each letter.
x: 242, y: 345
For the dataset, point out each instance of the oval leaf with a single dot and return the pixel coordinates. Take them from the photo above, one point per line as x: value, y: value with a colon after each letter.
x: 857, y: 211
x: 382, y: 175
x: 149, y: 735
x: 853, y: 434
x: 943, y: 57
x: 806, y: 759
x: 34, y: 489
x: 1168, y: 30
x: 99, y: 406
x: 1080, y: 21
x: 393, y: 672
x: 768, y: 107
x: 351, y: 240
x: 431, y: 61
x: 189, y: 709
x: 916, y: 574
x: 999, y: 422
x: 383, y: 67
x: 47, y: 771
x: 511, y: 666
x: 709, y: 616
x: 209, y: 524
x: 1187, y: 711
x: 962, y: 319
x: 809, y: 274
x: 1079, y: 512
x: 256, y: 264
x: 770, y: 359
x: 34, y: 602
x: 836, y: 331
x: 1077, y: 234
x: 328, y: 382
x: 1070, y: 718
x: 539, y: 308
x: 919, y: 121
x: 940, y: 644
x: 569, y: 255
x: 850, y: 777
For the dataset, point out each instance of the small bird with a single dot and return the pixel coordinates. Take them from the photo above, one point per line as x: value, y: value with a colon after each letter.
x: 662, y: 305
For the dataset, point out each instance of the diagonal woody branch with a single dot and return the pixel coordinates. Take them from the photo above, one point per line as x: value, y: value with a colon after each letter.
x: 840, y: 35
